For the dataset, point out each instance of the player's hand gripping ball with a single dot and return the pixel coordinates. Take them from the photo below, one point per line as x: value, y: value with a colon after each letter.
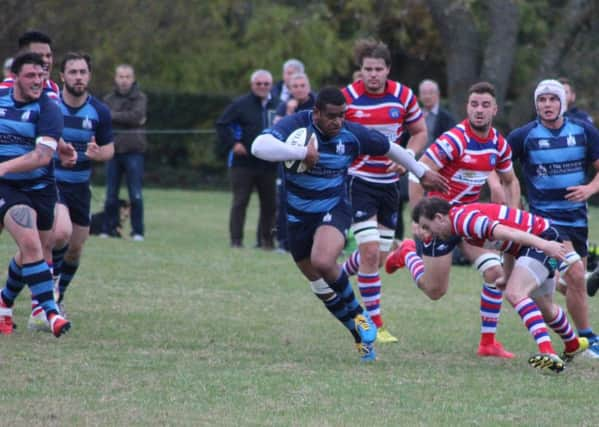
x: 300, y: 138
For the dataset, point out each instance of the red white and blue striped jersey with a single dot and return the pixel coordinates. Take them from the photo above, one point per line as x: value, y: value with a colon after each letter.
x: 51, y: 89
x: 466, y: 161
x: 475, y: 223
x: 389, y: 113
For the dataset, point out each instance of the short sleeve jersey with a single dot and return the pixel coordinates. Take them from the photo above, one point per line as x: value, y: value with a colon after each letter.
x: 389, y: 113
x: 466, y: 161
x: 80, y: 124
x: 20, y: 125
x: 553, y: 160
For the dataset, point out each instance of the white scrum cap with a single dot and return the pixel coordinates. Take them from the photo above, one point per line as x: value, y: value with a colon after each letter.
x: 552, y: 87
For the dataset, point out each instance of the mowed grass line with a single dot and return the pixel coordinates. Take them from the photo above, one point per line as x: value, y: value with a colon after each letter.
x: 182, y: 330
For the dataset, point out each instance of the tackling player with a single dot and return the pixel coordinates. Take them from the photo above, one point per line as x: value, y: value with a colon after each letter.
x: 534, y: 244
x: 465, y: 155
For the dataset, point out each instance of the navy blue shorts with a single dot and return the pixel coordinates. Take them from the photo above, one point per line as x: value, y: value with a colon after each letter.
x: 77, y: 198
x: 369, y: 199
x: 301, y: 234
x: 577, y: 235
x: 437, y: 247
x: 42, y: 201
x: 549, y: 263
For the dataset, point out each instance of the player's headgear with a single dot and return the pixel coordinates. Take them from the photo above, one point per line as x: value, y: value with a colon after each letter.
x: 552, y: 87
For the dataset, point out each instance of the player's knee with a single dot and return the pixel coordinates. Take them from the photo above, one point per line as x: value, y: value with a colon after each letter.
x: 30, y: 246
x: 436, y: 294
x: 572, y: 270
x: 322, y: 264
x: 489, y: 266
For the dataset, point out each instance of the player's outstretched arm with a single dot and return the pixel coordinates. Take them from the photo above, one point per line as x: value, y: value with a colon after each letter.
x: 553, y: 249
x: 430, y: 179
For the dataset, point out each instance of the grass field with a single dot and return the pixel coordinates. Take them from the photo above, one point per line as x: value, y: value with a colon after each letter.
x: 182, y: 330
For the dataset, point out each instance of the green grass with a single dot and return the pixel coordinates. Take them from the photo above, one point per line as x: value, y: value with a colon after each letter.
x: 182, y: 330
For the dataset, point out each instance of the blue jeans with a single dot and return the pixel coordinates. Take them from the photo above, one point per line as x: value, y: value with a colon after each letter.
x: 132, y: 164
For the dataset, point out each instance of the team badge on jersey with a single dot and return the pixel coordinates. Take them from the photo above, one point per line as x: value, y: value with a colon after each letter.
x: 327, y: 218
x: 87, y: 123
x: 571, y: 141
x: 492, y: 159
x: 340, y: 148
x: 2, y: 112
x: 25, y: 116
x: 394, y: 113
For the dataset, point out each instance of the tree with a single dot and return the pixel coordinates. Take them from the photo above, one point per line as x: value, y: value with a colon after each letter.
x: 475, y: 52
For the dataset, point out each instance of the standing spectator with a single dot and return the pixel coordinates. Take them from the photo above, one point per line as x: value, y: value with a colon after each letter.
x: 555, y: 153
x: 438, y: 120
x: 6, y: 72
x: 281, y: 92
x: 573, y: 112
x: 243, y: 120
x: 127, y: 106
x: 302, y: 98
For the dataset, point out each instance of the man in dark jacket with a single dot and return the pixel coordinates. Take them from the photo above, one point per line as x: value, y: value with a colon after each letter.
x: 240, y: 123
x: 128, y: 109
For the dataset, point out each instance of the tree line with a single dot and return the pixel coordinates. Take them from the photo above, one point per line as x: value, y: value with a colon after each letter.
x: 195, y: 46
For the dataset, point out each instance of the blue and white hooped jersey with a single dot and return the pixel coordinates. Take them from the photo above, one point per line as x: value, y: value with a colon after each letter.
x: 324, y: 186
x: 20, y: 125
x: 80, y: 124
x: 553, y: 160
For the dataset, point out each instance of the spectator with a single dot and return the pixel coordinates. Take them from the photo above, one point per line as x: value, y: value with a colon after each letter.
x: 6, y: 73
x: 243, y: 120
x: 438, y: 119
x: 573, y: 112
x: 128, y: 107
x: 281, y: 92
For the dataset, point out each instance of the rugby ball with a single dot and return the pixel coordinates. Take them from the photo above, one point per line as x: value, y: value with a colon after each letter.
x: 299, y: 138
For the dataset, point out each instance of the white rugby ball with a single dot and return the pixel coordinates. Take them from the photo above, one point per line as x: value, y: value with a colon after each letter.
x: 299, y: 138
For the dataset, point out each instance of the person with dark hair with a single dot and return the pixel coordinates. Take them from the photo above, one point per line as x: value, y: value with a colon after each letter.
x: 40, y: 43
x: 319, y: 214
x: 573, y: 112
x: 31, y: 128
x: 465, y: 155
x: 237, y: 127
x: 128, y: 106
x: 391, y: 108
x: 88, y: 128
x: 555, y: 153
x: 531, y: 247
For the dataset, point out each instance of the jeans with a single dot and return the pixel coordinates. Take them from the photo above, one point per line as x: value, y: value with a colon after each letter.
x: 132, y: 164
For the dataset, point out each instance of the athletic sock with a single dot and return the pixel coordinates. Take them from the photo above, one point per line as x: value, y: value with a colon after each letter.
x: 14, y: 283
x: 68, y: 272
x: 57, y: 259
x: 369, y: 285
x: 415, y: 265
x: 490, y: 307
x: 344, y: 289
x: 352, y: 264
x: 530, y: 314
x: 39, y: 278
x: 561, y: 326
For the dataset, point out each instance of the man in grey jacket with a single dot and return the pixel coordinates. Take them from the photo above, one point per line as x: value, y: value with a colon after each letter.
x: 128, y: 107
